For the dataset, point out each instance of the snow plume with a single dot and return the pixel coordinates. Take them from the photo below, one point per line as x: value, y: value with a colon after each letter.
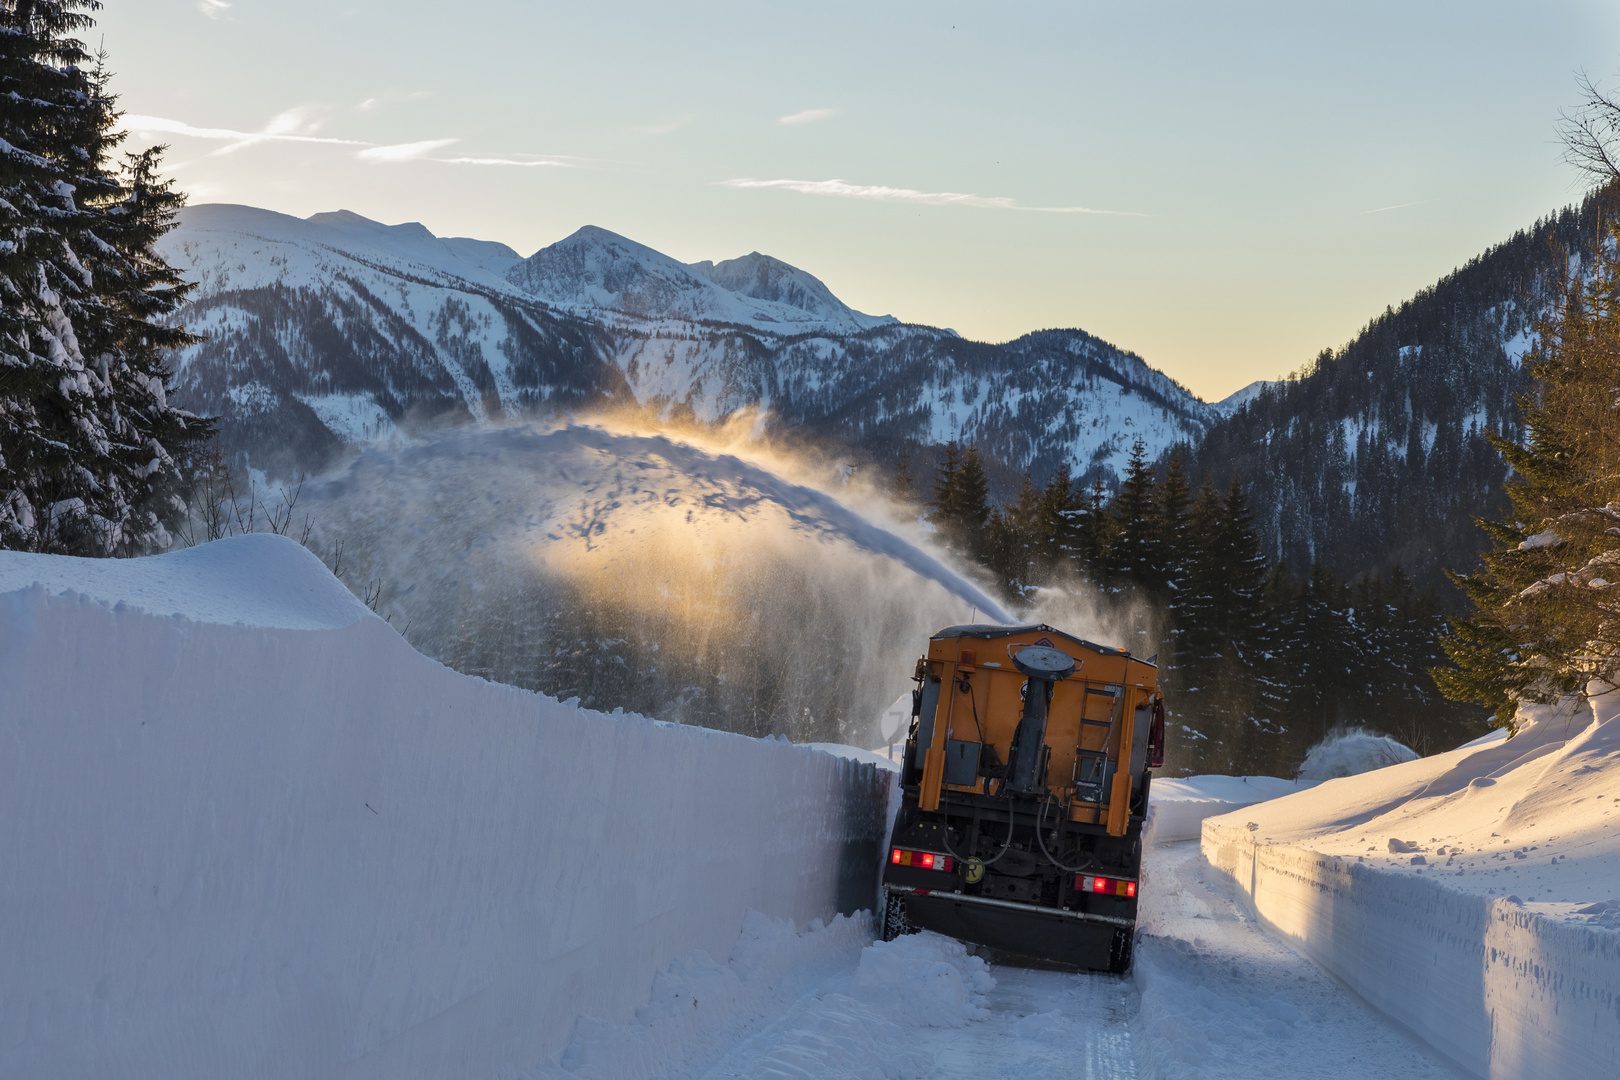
x: 1080, y: 608
x: 1352, y: 752
x: 668, y: 575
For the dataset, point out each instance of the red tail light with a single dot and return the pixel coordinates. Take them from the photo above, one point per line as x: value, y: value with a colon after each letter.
x: 922, y: 860
x: 1107, y: 886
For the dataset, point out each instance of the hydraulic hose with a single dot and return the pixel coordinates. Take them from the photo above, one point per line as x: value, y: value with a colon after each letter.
x: 946, y: 835
x: 1089, y: 860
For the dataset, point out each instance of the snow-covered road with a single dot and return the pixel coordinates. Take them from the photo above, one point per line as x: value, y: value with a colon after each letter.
x: 873, y: 1016
x: 1219, y: 998
x: 1212, y: 997
x: 1032, y: 1025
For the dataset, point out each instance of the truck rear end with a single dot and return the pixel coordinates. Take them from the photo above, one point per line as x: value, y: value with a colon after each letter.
x: 1024, y: 786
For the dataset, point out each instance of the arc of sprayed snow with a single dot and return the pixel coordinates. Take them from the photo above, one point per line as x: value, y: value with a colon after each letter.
x: 805, y: 505
x: 808, y: 509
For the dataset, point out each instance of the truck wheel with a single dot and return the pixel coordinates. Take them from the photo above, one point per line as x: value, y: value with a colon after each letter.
x: 894, y: 918
x: 1120, y: 951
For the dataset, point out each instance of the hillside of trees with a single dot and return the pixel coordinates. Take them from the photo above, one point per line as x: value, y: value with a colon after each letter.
x: 1378, y: 455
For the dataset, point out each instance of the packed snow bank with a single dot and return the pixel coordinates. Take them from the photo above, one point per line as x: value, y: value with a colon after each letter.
x: 260, y: 580
x: 830, y: 1024
x: 1351, y: 753
x: 250, y: 832
x: 697, y: 1005
x: 924, y: 980
x: 1177, y: 808
x: 1468, y: 895
x: 855, y: 753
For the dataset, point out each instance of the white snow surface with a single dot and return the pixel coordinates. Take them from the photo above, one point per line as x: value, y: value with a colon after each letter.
x: 255, y: 580
x: 1349, y: 753
x: 1177, y: 807
x: 225, y: 245
x: 1239, y: 398
x: 1220, y: 999
x: 250, y: 832
x: 855, y: 753
x: 1212, y: 997
x: 595, y: 270
x: 1473, y: 895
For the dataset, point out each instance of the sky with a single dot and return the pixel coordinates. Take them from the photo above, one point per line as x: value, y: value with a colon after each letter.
x: 1225, y: 190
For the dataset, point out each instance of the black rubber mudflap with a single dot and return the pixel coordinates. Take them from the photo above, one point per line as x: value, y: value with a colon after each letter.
x: 1121, y: 951
x: 1030, y: 932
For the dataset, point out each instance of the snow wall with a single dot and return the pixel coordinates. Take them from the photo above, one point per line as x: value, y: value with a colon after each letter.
x: 263, y: 837
x: 1502, y: 990
x: 1177, y: 807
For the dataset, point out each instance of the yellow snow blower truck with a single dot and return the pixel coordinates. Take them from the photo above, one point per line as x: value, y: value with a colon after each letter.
x: 1024, y: 786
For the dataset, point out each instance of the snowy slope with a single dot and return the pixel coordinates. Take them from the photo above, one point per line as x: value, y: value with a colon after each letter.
x: 249, y: 832
x: 1177, y: 807
x: 334, y: 331
x: 1236, y: 400
x: 596, y: 271
x: 1474, y: 894
x: 338, y: 331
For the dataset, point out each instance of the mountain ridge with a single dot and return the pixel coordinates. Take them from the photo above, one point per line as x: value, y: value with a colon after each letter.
x: 1379, y: 456
x: 341, y: 330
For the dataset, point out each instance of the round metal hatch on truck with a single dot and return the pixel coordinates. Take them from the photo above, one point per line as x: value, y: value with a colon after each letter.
x: 1043, y: 662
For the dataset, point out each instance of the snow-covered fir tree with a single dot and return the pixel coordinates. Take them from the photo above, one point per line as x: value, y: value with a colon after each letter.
x: 91, y: 453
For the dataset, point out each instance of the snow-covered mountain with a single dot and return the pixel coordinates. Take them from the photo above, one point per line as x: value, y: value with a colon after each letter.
x: 596, y: 272
x: 335, y: 330
x: 1232, y: 402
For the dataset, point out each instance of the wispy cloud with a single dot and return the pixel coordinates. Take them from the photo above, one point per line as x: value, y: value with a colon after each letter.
x: 1397, y: 206
x: 283, y: 128
x: 405, y: 151
x: 296, y: 125
x: 525, y: 162
x: 808, y: 116
x: 212, y: 8
x: 878, y: 193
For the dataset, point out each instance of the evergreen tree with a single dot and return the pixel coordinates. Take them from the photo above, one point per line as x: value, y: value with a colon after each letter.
x: 943, y: 500
x: 1195, y: 615
x: 1016, y: 539
x: 1317, y: 658
x: 1275, y: 675
x: 1543, y: 606
x: 1174, y: 499
x: 1218, y: 666
x: 904, y: 486
x: 1135, y: 558
x: 962, y: 502
x: 91, y: 453
x: 1059, y: 516
x: 1240, y: 596
x: 973, y: 500
x: 1092, y: 533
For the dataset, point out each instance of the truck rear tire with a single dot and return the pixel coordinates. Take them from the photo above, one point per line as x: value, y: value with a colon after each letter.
x: 894, y: 918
